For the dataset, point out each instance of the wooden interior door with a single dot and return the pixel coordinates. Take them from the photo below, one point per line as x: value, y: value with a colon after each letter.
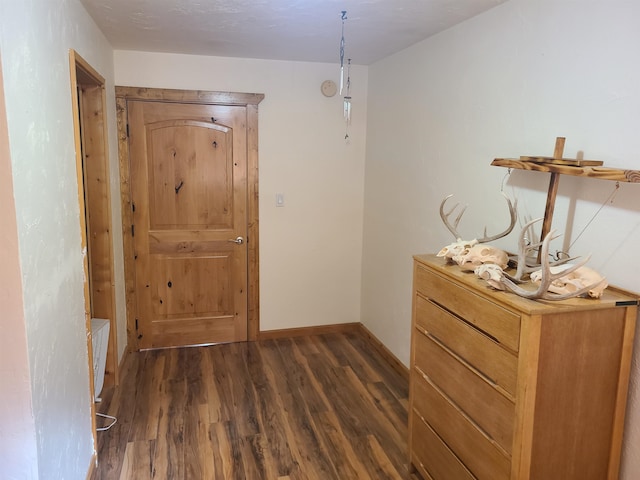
x: 188, y: 173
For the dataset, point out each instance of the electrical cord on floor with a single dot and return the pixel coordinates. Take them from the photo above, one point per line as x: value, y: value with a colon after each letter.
x: 114, y: 420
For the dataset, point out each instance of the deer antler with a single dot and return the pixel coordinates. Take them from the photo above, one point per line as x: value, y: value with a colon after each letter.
x: 445, y: 217
x: 454, y: 228
x: 512, y: 223
x: 547, y: 275
x: 524, y: 264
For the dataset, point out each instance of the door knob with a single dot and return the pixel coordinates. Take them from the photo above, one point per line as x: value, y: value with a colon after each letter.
x: 238, y: 240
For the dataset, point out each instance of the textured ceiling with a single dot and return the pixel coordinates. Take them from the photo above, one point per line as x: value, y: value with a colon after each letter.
x: 299, y: 30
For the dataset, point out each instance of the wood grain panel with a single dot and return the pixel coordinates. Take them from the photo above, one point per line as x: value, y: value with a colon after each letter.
x: 189, y: 197
x: 249, y: 123
x: 611, y: 297
x: 190, y: 172
x: 480, y: 455
x: 499, y: 323
x: 192, y: 285
x: 490, y: 409
x: 498, y: 365
x: 189, y: 96
x: 602, y: 173
x: 98, y: 198
x: 580, y: 350
x: 253, y: 221
x: 573, y: 365
x: 127, y: 222
x: 432, y: 454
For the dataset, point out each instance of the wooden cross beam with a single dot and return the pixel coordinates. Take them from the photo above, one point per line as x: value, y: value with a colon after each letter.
x: 551, y: 194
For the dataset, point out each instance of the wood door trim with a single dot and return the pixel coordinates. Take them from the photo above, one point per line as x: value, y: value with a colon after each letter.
x: 188, y: 96
x: 88, y: 102
x: 250, y: 101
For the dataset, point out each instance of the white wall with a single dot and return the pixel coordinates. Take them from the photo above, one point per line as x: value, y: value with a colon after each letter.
x: 310, y: 248
x: 35, y: 38
x: 503, y: 84
x: 18, y: 453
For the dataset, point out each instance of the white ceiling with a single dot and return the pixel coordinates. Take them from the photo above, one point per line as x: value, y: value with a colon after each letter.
x: 298, y: 30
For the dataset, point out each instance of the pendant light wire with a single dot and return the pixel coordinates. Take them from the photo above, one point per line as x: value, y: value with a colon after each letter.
x: 342, y: 43
x: 345, y: 82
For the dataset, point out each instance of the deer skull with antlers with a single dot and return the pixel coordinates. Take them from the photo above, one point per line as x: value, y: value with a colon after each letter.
x: 479, y: 254
x: 554, y: 281
x: 492, y: 274
x: 576, y: 281
x: 469, y: 253
x: 525, y: 262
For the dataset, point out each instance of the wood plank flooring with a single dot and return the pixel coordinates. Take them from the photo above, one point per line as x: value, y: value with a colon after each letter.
x: 318, y: 407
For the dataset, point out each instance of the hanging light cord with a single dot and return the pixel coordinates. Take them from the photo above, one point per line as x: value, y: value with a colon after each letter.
x: 344, y: 17
x: 347, y: 101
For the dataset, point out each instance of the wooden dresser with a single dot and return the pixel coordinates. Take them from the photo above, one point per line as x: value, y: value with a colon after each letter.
x: 508, y: 388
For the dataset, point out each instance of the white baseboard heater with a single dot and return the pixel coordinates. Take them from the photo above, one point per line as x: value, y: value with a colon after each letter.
x: 100, y: 341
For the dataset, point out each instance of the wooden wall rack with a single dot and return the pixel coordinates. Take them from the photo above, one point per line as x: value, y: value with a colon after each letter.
x: 558, y: 165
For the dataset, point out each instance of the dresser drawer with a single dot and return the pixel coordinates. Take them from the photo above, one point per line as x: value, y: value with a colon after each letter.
x: 486, y: 406
x: 497, y: 322
x: 430, y: 453
x: 481, y: 352
x: 480, y: 455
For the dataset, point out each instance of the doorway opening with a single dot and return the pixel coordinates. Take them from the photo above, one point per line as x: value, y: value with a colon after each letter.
x: 94, y: 198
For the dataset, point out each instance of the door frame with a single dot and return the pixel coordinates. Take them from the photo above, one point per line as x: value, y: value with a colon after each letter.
x: 248, y: 100
x: 88, y: 103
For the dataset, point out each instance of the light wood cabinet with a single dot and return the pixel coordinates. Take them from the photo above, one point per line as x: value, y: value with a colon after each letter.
x: 505, y: 388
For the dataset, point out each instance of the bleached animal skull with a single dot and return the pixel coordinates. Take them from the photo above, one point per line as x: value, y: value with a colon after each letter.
x: 456, y: 248
x: 492, y: 274
x: 574, y: 281
x: 481, y: 253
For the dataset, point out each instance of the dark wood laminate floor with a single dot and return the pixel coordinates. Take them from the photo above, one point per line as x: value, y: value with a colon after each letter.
x: 319, y: 407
